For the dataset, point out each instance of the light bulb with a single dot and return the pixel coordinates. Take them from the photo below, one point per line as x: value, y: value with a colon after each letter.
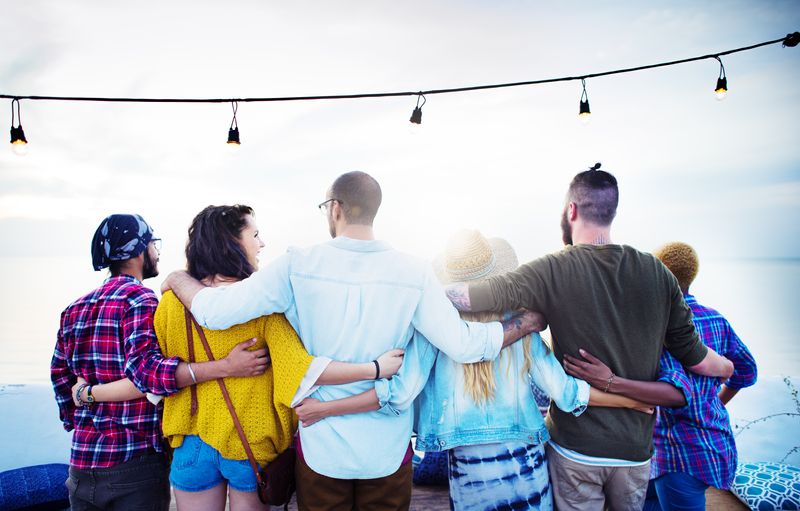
x: 584, y: 113
x: 416, y: 116
x: 19, y: 148
x: 233, y: 137
x: 721, y: 90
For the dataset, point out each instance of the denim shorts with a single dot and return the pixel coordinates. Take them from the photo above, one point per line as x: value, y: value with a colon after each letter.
x: 196, y: 466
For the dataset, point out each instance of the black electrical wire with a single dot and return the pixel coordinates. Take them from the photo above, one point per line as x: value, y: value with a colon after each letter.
x: 790, y: 40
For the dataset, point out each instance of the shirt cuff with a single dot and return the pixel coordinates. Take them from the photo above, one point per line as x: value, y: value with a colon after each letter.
x: 495, y: 344
x: 309, y: 383
x: 168, y: 376
x: 198, y: 306
x: 680, y: 382
x: 696, y: 355
x: 384, y: 394
x: 582, y: 398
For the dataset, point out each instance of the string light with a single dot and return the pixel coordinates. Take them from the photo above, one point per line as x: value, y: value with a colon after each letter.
x: 416, y: 115
x: 233, y: 131
x: 721, y: 90
x: 584, y: 112
x: 19, y: 144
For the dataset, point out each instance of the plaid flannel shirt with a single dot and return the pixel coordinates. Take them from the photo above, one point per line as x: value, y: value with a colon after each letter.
x: 104, y: 336
x: 697, y: 439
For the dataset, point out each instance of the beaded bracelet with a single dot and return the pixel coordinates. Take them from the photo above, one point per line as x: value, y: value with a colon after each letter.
x: 609, y: 381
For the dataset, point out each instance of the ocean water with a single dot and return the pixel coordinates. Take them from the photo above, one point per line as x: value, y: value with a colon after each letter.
x: 758, y: 296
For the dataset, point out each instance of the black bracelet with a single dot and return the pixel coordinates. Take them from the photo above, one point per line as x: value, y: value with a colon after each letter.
x: 377, y: 370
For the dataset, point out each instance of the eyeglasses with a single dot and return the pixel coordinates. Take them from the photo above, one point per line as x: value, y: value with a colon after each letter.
x: 323, y: 206
x: 157, y: 243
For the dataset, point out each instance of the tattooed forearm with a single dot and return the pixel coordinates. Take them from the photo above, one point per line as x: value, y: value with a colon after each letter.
x: 521, y: 324
x: 459, y: 295
x: 513, y: 330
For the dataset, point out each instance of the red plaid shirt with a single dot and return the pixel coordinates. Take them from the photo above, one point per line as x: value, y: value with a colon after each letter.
x: 104, y: 336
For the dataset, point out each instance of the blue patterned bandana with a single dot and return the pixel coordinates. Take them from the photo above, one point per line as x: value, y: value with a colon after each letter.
x: 119, y: 238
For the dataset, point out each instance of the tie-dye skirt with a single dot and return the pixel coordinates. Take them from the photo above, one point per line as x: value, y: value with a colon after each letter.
x: 499, y: 476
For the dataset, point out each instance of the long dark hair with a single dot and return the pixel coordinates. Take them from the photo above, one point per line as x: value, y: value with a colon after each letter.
x: 213, y: 247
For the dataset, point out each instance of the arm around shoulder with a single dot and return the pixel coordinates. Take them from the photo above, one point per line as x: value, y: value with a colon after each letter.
x: 265, y: 292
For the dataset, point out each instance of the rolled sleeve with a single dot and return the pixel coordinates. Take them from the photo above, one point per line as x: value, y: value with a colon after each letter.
x: 672, y: 372
x: 481, y: 297
x: 745, y: 371
x: 398, y: 393
x: 145, y: 364
x: 570, y: 394
x: 308, y: 385
x: 581, y: 398
x: 384, y: 392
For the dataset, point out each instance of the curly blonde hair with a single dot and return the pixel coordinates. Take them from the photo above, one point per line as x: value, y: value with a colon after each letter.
x: 681, y: 259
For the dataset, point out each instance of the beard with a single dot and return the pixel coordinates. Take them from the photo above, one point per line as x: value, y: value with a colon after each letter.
x: 150, y: 266
x: 566, y: 229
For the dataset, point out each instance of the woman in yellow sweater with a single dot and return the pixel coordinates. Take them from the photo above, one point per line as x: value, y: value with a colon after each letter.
x: 209, y: 462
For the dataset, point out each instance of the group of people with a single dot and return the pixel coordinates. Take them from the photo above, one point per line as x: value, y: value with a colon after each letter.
x: 348, y: 347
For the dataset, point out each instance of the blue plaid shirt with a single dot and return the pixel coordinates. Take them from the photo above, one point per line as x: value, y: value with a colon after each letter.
x: 697, y: 439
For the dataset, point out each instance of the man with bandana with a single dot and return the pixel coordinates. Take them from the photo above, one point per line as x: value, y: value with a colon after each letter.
x: 117, y: 458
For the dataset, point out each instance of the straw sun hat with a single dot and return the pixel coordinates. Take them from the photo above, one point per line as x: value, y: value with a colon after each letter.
x: 469, y: 256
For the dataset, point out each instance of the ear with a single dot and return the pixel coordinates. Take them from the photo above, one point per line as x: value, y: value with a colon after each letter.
x: 336, y: 211
x: 572, y: 211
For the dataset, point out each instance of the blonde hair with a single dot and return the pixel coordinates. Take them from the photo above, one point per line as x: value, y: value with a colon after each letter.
x: 480, y: 380
x: 681, y: 259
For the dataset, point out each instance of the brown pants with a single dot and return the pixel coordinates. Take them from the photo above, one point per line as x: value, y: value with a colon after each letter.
x: 318, y: 492
x: 579, y: 487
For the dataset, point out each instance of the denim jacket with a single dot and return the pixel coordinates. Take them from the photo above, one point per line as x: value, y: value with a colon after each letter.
x: 445, y: 415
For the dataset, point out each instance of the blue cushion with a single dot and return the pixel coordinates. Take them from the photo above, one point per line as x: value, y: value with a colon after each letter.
x: 432, y: 470
x: 768, y: 486
x: 38, y: 487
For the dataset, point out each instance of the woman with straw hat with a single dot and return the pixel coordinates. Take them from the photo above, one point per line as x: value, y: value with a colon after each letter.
x: 486, y: 414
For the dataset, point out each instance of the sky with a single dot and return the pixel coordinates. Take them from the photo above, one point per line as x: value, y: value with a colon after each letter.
x: 721, y: 175
x: 724, y: 176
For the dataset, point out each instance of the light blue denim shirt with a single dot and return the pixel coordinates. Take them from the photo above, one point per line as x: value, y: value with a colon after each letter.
x: 447, y: 417
x: 352, y: 300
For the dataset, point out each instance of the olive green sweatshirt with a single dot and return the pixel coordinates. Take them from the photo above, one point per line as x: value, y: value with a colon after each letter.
x: 620, y: 305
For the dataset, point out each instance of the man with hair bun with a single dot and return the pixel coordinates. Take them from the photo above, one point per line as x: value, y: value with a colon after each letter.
x: 619, y: 304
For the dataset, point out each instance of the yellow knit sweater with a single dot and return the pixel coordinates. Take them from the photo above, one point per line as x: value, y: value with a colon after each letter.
x: 262, y: 402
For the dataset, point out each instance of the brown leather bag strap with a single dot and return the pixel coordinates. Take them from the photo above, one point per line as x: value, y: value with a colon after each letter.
x: 190, y: 340
x: 250, y: 457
